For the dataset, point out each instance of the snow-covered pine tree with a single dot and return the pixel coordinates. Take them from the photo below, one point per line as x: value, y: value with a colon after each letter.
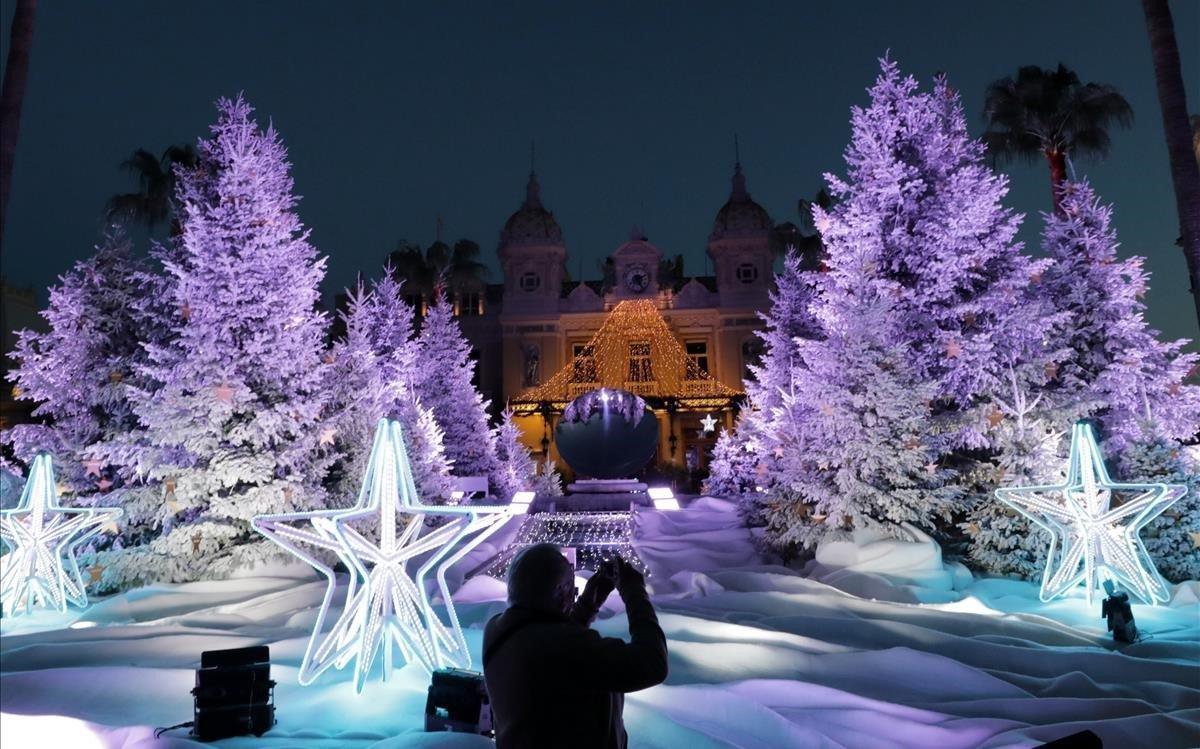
x: 732, y: 470
x: 748, y: 457
x: 921, y: 199
x: 392, y: 335
x: 1171, y: 538
x: 1004, y: 542
x: 1118, y: 372
x: 233, y: 415
x: 442, y: 380
x: 370, y: 373
x: 358, y: 397
x: 920, y: 241
x: 426, y: 450
x: 80, y: 372
x: 859, y: 444
x: 515, y: 470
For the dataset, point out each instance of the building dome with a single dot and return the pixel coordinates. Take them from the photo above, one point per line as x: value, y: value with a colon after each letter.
x: 740, y: 216
x: 531, y: 223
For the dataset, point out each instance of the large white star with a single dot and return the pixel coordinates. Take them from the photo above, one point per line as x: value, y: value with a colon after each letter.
x: 42, y: 538
x: 1090, y: 540
x: 376, y: 539
x: 709, y: 423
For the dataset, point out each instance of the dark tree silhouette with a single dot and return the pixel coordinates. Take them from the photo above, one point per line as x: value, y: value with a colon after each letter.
x: 1051, y: 115
x: 1172, y: 99
x: 151, y: 204
x: 12, y: 95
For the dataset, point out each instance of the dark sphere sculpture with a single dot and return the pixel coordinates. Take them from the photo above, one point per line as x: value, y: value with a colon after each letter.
x: 607, y: 434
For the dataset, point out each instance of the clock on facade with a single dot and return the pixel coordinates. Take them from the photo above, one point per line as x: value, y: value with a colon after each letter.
x: 637, y: 278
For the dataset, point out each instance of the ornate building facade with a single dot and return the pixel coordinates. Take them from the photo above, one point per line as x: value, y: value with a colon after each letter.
x: 683, y: 344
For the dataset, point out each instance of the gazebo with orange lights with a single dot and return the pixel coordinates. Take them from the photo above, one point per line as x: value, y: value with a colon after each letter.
x: 633, y: 350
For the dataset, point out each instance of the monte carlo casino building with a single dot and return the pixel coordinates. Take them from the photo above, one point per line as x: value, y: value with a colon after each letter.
x: 683, y: 344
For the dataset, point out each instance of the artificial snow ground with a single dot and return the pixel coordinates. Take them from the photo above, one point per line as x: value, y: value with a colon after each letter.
x: 760, y: 656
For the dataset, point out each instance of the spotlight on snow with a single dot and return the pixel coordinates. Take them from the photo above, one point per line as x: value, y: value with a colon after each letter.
x: 49, y: 730
x: 520, y: 502
x: 664, y: 498
x: 82, y: 625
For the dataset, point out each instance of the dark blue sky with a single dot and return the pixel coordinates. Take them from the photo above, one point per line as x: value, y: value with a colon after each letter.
x: 396, y: 113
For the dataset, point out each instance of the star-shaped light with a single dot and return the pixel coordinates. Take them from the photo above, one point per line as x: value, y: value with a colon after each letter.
x: 223, y: 393
x: 709, y: 423
x: 387, y: 606
x: 1090, y: 540
x: 326, y: 436
x: 42, y: 539
x: 91, y: 467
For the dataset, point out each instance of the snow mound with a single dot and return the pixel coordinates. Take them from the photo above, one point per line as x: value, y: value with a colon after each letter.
x: 760, y: 656
x: 872, y: 564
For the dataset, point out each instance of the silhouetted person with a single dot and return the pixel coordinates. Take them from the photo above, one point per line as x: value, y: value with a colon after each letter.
x: 552, y: 680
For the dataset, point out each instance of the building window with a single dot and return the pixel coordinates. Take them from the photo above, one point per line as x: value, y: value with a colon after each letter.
x: 583, y: 363
x: 751, y: 355
x: 747, y: 273
x: 640, y: 369
x: 697, y: 353
x: 530, y: 281
x: 470, y: 303
x: 417, y: 302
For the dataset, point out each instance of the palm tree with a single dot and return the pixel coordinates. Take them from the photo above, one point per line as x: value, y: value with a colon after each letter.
x: 151, y: 204
x: 12, y: 95
x: 1049, y: 114
x: 1185, y: 174
x: 426, y: 274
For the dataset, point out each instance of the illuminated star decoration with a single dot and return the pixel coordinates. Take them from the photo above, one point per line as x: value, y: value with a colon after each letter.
x: 709, y: 423
x: 386, y: 605
x: 1090, y: 540
x: 42, y: 539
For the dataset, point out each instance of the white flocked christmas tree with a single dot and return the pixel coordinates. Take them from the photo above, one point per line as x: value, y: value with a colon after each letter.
x: 234, y: 398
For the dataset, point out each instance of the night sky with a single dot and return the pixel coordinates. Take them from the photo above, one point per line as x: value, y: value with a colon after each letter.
x: 395, y: 114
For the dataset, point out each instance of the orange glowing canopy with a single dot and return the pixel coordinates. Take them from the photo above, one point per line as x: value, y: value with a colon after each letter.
x: 634, y: 350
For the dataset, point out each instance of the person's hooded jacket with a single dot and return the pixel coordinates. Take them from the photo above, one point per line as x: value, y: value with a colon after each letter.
x: 555, y: 682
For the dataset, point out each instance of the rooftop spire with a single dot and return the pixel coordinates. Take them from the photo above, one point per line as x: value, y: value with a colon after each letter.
x: 738, y: 193
x: 533, y: 198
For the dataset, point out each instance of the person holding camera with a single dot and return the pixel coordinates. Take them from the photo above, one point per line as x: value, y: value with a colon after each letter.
x: 552, y: 680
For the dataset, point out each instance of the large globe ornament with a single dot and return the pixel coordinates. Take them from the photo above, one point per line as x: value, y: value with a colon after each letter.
x: 607, y: 434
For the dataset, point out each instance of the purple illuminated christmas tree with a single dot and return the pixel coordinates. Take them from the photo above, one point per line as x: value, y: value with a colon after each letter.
x: 442, y: 380
x: 733, y: 467
x: 1116, y: 372
x: 927, y: 315
x: 370, y: 375
x: 516, y: 470
x: 81, y: 372
x: 233, y: 415
x: 748, y: 457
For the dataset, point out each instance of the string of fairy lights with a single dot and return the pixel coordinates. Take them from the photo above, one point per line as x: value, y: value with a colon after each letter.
x: 595, y: 536
x: 633, y: 350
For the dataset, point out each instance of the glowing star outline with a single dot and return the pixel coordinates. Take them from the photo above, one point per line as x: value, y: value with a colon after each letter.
x: 385, y: 607
x: 43, y: 538
x: 709, y: 423
x: 1089, y: 539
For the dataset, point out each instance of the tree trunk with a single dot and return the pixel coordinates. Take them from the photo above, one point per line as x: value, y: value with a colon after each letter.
x: 1185, y: 174
x: 1058, y: 177
x: 16, y: 71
